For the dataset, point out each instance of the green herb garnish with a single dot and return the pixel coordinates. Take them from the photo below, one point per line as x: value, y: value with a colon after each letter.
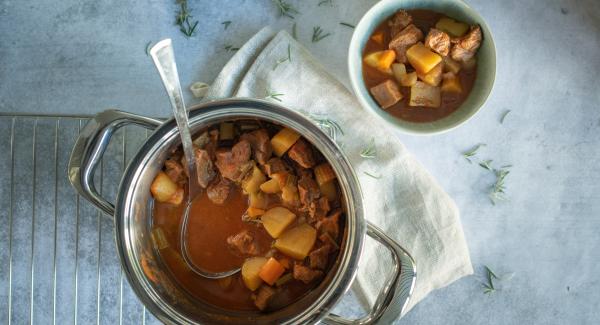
x: 326, y: 2
x: 287, y: 59
x: 371, y: 175
x: 498, y: 190
x: 274, y: 95
x: 183, y: 19
x: 489, y: 286
x: 486, y: 164
x: 226, y: 24
x: 504, y: 116
x: 318, y: 34
x: 294, y: 35
x: 347, y: 25
x: 369, y: 152
x: 472, y: 152
x: 285, y: 9
x: 148, y: 48
x: 230, y: 48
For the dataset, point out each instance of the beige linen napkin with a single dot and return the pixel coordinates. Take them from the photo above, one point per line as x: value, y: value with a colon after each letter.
x: 406, y: 202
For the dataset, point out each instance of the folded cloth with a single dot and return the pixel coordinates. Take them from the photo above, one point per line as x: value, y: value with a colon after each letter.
x: 402, y: 198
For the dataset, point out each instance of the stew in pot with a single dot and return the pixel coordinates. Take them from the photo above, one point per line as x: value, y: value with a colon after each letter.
x: 420, y: 65
x: 271, y: 205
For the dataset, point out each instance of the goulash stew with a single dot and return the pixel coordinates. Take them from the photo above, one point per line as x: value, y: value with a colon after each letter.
x: 420, y: 65
x: 271, y: 206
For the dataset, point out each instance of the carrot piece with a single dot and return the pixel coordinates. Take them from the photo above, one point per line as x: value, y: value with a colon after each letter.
x: 285, y: 262
x: 378, y: 37
x: 271, y: 271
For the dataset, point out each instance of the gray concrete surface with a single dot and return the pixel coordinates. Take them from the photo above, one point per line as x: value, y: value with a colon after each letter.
x: 74, y: 57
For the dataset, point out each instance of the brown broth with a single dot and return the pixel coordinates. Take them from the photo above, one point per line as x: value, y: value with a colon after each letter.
x: 424, y: 20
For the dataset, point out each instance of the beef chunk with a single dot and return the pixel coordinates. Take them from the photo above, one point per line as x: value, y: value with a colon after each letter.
x: 261, y: 144
x: 438, y: 41
x: 306, y: 274
x: 327, y: 240
x: 275, y: 165
x: 175, y: 171
x: 400, y: 20
x: 319, y: 257
x: 204, y: 167
x: 318, y: 209
x: 232, y: 163
x: 243, y: 243
x: 263, y: 296
x: 405, y: 39
x: 465, y: 48
x: 219, y: 191
x: 308, y: 189
x: 330, y: 225
x: 386, y: 93
x: 209, y: 140
x: 302, y: 153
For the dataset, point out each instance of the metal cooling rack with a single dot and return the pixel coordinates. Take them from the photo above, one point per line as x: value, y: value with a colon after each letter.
x: 58, y: 261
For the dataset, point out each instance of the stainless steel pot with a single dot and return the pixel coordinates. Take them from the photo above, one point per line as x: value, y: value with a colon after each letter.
x: 132, y: 213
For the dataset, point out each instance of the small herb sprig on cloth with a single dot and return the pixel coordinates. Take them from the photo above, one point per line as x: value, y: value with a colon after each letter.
x: 318, y: 34
x: 372, y: 175
x: 370, y: 152
x: 226, y: 24
x: 286, y: 9
x: 489, y: 287
x: 472, y: 152
x: 497, y: 191
x: 273, y: 95
x: 230, y: 48
x: 148, y: 48
x: 326, y: 2
x: 347, y: 24
x: 504, y: 116
x: 183, y: 19
x: 286, y: 59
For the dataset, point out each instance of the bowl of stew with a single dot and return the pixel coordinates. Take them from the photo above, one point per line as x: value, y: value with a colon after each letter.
x: 280, y: 201
x: 424, y: 67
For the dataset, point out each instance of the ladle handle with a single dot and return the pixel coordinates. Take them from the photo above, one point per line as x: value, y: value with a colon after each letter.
x: 90, y: 147
x: 394, y: 296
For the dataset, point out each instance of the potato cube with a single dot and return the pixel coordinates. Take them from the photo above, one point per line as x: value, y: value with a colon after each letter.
x: 297, y: 242
x: 258, y: 200
x: 163, y: 189
x: 399, y: 70
x: 329, y: 190
x: 275, y: 220
x: 252, y: 182
x: 451, y: 83
x: 433, y: 77
x: 409, y: 79
x: 270, y: 186
x: 250, y: 270
x: 381, y: 60
x: 284, y: 140
x: 422, y: 94
x: 452, y: 27
x: 422, y: 58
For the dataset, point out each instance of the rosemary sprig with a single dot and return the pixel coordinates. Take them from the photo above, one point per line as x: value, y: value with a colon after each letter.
x: 371, y: 175
x: 274, y: 95
x: 498, y: 190
x: 347, y: 24
x: 326, y: 2
x: 504, y: 116
x: 230, y: 48
x: 318, y: 34
x: 472, y: 152
x: 486, y: 164
x: 490, y: 276
x: 369, y: 152
x: 287, y: 59
x: 148, y: 48
x: 226, y: 24
x: 183, y: 19
x: 294, y: 34
x: 286, y: 9
x: 327, y: 124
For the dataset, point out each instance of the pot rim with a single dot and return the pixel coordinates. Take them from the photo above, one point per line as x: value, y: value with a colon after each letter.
x: 210, y: 112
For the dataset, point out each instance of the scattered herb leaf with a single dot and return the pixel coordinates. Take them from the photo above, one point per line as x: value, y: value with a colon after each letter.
x: 226, y: 24
x: 294, y: 35
x: 327, y: 124
x: 148, y: 48
x: 274, y: 95
x: 498, y: 190
x: 286, y: 59
x: 472, y: 152
x: 183, y: 19
x: 230, y: 48
x: 371, y: 175
x: 486, y: 164
x: 318, y: 34
x: 369, y: 152
x: 347, y: 24
x: 286, y: 9
x: 504, y: 116
x: 490, y: 276
x: 326, y: 2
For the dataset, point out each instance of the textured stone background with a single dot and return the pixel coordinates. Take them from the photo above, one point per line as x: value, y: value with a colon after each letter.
x: 82, y: 56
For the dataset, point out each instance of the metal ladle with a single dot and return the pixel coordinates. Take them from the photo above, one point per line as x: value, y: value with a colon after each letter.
x: 164, y: 59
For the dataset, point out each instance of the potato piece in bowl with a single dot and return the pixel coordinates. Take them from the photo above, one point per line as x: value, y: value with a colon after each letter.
x: 297, y: 242
x: 163, y: 189
x: 250, y: 270
x: 422, y: 94
x: 276, y: 220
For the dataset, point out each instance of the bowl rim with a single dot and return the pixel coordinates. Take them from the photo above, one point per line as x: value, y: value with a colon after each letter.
x: 355, y: 49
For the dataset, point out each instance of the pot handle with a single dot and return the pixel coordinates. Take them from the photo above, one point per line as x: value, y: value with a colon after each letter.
x: 393, y: 298
x: 89, y: 149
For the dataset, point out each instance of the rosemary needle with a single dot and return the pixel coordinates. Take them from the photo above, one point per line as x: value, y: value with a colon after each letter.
x: 318, y: 34
x: 286, y: 59
x: 472, y: 152
x: 504, y: 116
x: 274, y: 95
x: 486, y: 164
x: 369, y: 152
x: 285, y: 9
x: 294, y: 34
x: 231, y: 48
x: 148, y: 48
x: 326, y: 2
x: 490, y: 276
x: 347, y: 25
x: 371, y: 175
x: 183, y: 19
x: 226, y: 24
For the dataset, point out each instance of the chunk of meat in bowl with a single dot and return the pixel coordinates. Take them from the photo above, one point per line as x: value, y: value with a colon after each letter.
x: 263, y: 297
x: 175, y: 171
x: 438, y: 41
x: 319, y: 257
x: 302, y: 153
x: 231, y: 162
x: 275, y: 165
x: 204, y: 167
x: 330, y: 224
x: 243, y: 243
x: 408, y: 37
x: 465, y: 48
x: 308, y: 189
x: 306, y: 274
x: 400, y: 20
x: 261, y: 144
x: 386, y: 93
x: 219, y: 191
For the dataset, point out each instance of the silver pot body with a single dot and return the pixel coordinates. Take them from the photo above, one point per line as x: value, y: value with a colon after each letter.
x: 132, y: 212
